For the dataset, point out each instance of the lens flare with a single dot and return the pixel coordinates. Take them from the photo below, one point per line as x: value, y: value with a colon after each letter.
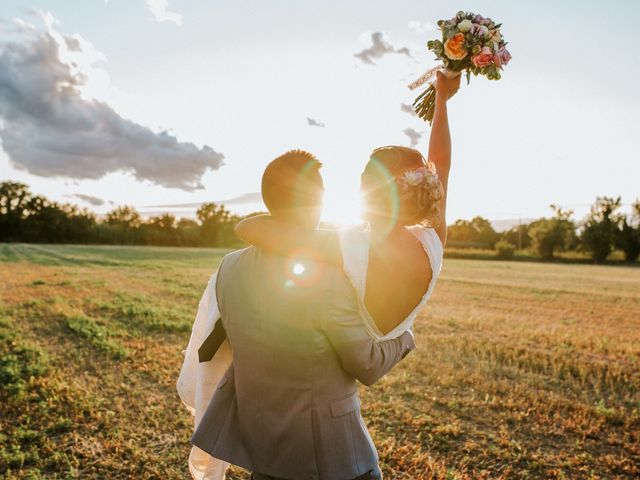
x: 298, y: 269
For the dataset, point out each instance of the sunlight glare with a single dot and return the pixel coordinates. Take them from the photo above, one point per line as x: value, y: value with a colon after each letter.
x: 342, y: 207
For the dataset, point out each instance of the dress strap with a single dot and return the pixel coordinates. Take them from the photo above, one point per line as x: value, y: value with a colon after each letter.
x: 434, y: 244
x: 354, y: 245
x: 430, y: 241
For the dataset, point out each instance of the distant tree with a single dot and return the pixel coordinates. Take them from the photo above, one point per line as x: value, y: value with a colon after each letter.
x: 189, y: 232
x: 476, y: 232
x: 627, y: 236
x: 124, y: 216
x: 161, y: 230
x: 599, y: 231
x: 81, y: 225
x: 212, y: 217
x: 122, y: 226
x: 14, y: 208
x: 228, y: 237
x: 505, y: 249
x: 46, y: 221
x: 549, y: 235
x: 165, y: 222
x: 187, y: 223
x: 518, y: 235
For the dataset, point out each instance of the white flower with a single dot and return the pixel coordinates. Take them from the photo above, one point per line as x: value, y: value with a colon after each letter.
x: 432, y: 179
x: 485, y: 32
x: 465, y: 25
x: 413, y: 178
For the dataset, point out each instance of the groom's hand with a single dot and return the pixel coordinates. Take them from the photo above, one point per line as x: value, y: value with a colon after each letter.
x: 446, y: 87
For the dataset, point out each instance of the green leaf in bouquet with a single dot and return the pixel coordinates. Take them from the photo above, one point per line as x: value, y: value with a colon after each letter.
x: 468, y: 76
x: 448, y: 32
x: 435, y: 46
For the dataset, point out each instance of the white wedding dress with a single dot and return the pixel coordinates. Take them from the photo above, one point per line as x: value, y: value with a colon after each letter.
x: 197, y: 381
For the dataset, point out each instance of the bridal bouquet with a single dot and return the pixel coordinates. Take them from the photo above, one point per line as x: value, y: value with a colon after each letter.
x: 470, y: 43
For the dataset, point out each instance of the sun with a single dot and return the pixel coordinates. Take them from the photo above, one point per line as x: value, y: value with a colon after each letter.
x: 341, y: 206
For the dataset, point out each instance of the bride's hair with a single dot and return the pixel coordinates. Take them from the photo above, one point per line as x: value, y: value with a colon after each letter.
x: 398, y: 184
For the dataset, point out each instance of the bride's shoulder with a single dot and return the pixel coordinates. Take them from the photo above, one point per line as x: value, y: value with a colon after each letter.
x: 431, y: 242
x: 426, y: 235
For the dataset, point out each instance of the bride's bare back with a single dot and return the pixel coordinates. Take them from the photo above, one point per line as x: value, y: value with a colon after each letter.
x: 398, y: 277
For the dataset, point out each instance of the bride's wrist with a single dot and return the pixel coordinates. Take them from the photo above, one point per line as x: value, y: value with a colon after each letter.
x: 441, y: 101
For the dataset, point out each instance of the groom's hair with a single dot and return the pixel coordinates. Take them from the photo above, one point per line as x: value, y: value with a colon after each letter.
x: 292, y: 181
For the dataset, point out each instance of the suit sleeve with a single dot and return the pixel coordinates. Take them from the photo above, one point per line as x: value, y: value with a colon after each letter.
x: 360, y: 355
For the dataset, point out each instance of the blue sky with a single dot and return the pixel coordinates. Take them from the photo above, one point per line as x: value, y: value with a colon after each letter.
x: 243, y: 77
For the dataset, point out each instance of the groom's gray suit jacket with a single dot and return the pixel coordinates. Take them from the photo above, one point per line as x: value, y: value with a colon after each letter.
x: 289, y: 407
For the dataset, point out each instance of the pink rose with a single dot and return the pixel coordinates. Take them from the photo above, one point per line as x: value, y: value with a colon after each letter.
x: 484, y: 58
x: 501, y: 57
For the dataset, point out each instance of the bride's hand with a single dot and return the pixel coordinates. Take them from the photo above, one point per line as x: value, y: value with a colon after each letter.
x: 446, y: 87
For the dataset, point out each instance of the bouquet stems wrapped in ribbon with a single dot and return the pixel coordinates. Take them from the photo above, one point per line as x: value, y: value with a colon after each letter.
x: 470, y: 43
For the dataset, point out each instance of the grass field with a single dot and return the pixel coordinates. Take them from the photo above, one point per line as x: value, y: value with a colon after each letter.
x: 523, y: 370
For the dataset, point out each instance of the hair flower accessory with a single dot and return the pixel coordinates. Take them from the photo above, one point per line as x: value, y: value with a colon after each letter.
x: 418, y: 177
x: 412, y: 178
x: 422, y: 188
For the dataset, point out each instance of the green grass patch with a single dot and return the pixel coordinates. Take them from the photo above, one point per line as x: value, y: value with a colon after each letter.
x: 96, y: 335
x: 142, y: 315
x: 20, y: 362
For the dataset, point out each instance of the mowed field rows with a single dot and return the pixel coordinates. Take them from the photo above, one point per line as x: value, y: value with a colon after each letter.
x: 523, y: 370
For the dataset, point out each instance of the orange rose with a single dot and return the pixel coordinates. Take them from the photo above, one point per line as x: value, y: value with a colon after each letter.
x: 454, y: 47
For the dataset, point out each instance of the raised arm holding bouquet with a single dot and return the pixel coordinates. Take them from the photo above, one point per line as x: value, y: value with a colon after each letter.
x: 470, y: 43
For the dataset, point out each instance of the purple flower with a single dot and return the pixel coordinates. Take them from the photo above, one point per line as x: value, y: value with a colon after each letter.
x: 505, y: 56
x: 479, y: 30
x: 502, y: 57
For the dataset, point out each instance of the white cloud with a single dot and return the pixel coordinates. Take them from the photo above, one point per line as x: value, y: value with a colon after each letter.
x: 413, y: 135
x: 49, y: 128
x: 380, y: 46
x: 160, y: 11
x: 419, y: 27
x: 23, y: 26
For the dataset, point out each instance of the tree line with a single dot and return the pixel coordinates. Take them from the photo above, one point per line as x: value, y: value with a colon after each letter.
x: 25, y: 217
x: 604, y: 230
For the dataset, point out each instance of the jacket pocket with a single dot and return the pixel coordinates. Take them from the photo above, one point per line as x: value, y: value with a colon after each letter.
x: 346, y: 405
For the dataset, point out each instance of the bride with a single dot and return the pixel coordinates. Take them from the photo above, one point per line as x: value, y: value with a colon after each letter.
x: 393, y: 262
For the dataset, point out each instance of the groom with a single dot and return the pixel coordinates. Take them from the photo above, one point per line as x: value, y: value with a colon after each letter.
x: 288, y: 407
